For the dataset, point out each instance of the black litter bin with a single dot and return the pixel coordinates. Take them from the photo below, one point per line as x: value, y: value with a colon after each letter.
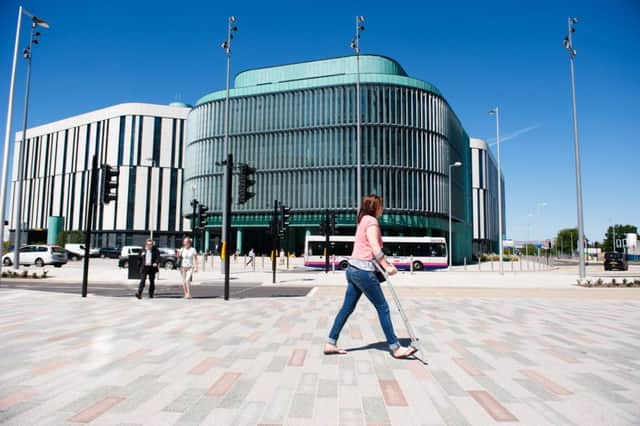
x: 134, y: 267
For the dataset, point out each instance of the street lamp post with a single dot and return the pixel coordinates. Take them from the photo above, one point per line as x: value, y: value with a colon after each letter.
x: 451, y: 166
x: 7, y: 135
x: 568, y: 44
x: 496, y: 112
x: 27, y: 53
x: 226, y: 45
x: 355, y: 45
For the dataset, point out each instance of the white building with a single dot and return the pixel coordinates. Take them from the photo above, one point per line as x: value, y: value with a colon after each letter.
x: 146, y: 143
x: 484, y: 187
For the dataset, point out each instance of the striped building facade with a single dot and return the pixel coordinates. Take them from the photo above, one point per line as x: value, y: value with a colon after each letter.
x: 484, y: 182
x: 145, y: 142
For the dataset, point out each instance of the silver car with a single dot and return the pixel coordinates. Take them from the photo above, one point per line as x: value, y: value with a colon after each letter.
x: 38, y: 255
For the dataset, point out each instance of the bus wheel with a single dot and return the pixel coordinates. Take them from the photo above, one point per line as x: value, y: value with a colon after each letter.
x: 344, y: 264
x: 417, y: 266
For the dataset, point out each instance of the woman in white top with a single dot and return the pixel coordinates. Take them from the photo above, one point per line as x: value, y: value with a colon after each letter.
x: 188, y: 265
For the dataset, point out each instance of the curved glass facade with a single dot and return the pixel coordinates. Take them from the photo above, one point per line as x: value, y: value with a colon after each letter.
x: 302, y: 142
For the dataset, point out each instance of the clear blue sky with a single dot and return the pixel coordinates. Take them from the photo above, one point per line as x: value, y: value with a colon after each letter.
x: 479, y: 54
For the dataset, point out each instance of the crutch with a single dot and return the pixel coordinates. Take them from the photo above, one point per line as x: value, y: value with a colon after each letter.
x: 415, y: 342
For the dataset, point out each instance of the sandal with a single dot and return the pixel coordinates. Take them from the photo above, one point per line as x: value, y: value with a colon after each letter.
x: 411, y: 351
x: 334, y: 350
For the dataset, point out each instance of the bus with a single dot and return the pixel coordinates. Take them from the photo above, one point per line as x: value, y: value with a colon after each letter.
x: 426, y: 253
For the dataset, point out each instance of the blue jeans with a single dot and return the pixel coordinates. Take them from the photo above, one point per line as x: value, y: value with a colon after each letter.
x: 358, y: 282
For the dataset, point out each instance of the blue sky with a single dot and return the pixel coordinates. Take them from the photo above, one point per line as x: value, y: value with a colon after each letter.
x: 479, y: 54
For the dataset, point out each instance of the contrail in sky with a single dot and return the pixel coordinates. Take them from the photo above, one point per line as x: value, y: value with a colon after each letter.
x: 517, y: 133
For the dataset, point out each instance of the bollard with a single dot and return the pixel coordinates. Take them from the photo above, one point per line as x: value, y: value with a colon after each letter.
x: 263, y: 261
x: 492, y: 266
x: 511, y: 264
x: 287, y: 260
x: 411, y: 265
x: 465, y: 263
x: 479, y: 265
x: 520, y: 262
x: 333, y: 264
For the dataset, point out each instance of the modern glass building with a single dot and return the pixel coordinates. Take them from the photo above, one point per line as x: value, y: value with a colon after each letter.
x: 296, y: 124
x: 484, y: 199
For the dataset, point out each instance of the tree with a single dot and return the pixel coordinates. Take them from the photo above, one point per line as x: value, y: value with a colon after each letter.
x: 621, y: 232
x: 72, y: 237
x: 567, y: 241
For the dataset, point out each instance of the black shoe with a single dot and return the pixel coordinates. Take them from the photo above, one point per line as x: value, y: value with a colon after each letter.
x: 150, y: 296
x: 138, y: 295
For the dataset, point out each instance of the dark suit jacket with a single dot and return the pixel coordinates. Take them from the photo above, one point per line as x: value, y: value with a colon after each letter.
x: 155, y: 258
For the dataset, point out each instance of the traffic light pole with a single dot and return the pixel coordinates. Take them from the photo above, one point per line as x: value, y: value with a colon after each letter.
x: 327, y: 242
x: 227, y: 225
x: 276, y: 238
x: 93, y: 190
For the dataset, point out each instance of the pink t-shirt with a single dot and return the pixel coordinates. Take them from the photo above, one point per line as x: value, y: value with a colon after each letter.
x: 361, y: 248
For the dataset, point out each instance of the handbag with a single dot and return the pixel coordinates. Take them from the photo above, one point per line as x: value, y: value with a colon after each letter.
x: 380, y: 276
x: 179, y: 259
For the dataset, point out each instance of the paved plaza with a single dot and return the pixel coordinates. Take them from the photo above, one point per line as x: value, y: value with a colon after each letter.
x: 565, y: 357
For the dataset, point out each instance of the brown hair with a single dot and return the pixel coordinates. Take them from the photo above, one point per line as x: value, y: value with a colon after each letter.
x: 370, y: 205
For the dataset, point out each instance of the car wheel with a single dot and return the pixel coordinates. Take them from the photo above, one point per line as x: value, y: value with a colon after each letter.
x: 169, y: 264
x: 39, y: 263
x: 7, y: 262
x: 125, y: 264
x: 344, y: 264
x: 417, y: 266
x: 103, y: 256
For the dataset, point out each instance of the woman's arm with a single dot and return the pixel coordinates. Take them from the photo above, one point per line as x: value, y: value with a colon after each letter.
x: 373, y: 236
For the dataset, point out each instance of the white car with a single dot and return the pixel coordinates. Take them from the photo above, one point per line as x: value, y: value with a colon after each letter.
x: 77, y: 250
x: 38, y: 255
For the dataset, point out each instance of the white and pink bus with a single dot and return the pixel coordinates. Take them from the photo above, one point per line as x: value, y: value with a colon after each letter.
x: 426, y: 253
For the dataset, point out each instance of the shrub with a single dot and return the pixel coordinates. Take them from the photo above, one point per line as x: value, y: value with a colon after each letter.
x: 613, y: 281
x: 34, y: 275
x: 25, y: 274
x: 44, y: 273
x: 599, y: 282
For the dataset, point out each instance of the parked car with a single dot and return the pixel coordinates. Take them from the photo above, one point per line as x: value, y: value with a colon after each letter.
x: 125, y: 252
x: 168, y: 258
x: 38, y: 255
x: 615, y: 260
x: 110, y: 252
x: 78, y: 250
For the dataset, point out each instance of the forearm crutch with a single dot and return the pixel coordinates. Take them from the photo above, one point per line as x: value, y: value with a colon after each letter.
x: 415, y: 342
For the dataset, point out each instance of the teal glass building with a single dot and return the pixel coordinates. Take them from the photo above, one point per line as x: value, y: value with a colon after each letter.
x: 296, y: 124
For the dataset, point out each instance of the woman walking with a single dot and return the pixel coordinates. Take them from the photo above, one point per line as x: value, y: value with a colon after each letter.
x: 188, y: 265
x: 361, y: 278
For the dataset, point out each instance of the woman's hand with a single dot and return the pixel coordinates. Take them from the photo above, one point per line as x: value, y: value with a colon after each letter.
x: 391, y: 270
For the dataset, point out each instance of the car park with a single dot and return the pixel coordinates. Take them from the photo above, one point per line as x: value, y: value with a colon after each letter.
x: 38, y: 255
x: 78, y: 251
x: 110, y: 252
x: 615, y: 261
x: 125, y: 252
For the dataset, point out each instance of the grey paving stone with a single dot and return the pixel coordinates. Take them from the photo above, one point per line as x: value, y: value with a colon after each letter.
x: 350, y: 417
x: 375, y: 411
x: 302, y: 406
x: 278, y: 363
x: 278, y: 406
x: 236, y: 396
x: 187, y: 399
x: 327, y: 388
x: 448, y: 383
x: 537, y: 389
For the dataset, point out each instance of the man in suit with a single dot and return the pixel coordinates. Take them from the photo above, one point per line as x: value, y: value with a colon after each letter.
x: 148, y: 268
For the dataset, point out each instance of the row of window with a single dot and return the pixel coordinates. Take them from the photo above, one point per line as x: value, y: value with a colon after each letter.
x: 389, y: 146
x: 407, y: 190
x: 327, y: 106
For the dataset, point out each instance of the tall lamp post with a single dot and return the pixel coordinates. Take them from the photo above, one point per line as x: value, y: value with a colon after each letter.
x: 451, y: 166
x: 7, y: 134
x: 355, y: 45
x: 27, y: 53
x: 496, y: 112
x: 226, y: 45
x: 568, y: 44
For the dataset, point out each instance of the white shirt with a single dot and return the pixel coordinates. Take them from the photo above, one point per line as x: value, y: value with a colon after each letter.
x: 187, y: 256
x: 147, y: 257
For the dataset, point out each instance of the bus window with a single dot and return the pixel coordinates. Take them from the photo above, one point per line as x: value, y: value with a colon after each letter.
x: 316, y: 248
x: 436, y: 250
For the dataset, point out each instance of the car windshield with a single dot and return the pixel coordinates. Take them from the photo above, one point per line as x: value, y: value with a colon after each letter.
x: 136, y: 250
x: 613, y: 256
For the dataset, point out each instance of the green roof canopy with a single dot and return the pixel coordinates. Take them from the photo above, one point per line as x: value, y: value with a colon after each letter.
x: 322, y: 73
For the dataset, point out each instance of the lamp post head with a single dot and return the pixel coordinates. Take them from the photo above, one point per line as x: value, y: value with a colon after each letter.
x: 456, y: 164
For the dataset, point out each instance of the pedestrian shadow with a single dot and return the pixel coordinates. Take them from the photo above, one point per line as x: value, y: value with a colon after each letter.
x: 384, y: 346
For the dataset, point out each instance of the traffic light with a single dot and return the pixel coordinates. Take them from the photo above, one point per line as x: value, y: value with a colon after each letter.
x: 332, y: 224
x: 202, y: 215
x: 323, y: 227
x: 285, y: 218
x: 109, y: 184
x: 245, y: 183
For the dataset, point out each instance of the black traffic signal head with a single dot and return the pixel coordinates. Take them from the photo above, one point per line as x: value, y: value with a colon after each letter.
x: 202, y: 215
x: 109, y: 184
x: 285, y: 219
x: 332, y: 224
x: 245, y: 182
